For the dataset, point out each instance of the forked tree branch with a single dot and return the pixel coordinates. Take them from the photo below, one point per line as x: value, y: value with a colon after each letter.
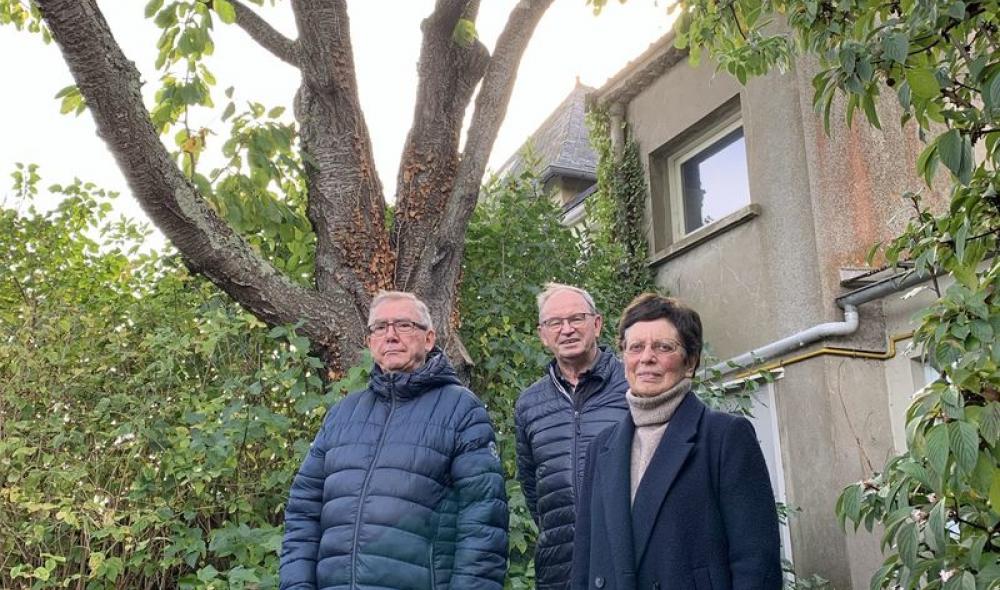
x: 346, y: 204
x: 439, y: 264
x: 111, y: 84
x: 449, y: 70
x: 265, y: 35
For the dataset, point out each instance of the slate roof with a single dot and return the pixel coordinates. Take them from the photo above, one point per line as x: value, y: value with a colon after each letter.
x: 561, y: 142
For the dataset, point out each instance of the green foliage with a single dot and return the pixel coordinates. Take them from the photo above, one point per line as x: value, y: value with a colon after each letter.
x: 939, y: 503
x: 23, y: 16
x: 515, y: 244
x: 261, y: 191
x: 616, y: 253
x: 150, y: 428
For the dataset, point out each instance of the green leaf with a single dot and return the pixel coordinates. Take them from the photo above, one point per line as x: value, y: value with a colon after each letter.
x: 956, y: 10
x: 989, y: 425
x: 950, y: 150
x: 991, y: 91
x: 923, y: 83
x: 965, y: 445
x: 208, y: 573
x: 851, y: 502
x: 152, y: 7
x: 927, y: 162
x: 465, y: 32
x: 868, y: 103
x: 995, y: 494
x: 228, y: 112
x: 906, y: 544
x: 934, y: 533
x: 275, y: 112
x: 955, y: 152
x: 937, y: 448
x: 225, y: 10
x: 896, y: 46
x: 166, y: 18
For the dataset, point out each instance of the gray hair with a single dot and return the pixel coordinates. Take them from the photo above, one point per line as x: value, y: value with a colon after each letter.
x: 550, y: 289
x: 423, y: 314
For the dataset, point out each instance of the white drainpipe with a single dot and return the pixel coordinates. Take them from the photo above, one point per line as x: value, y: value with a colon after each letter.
x: 848, y: 302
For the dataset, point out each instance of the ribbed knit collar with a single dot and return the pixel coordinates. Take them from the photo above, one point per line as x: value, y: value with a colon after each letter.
x: 649, y: 411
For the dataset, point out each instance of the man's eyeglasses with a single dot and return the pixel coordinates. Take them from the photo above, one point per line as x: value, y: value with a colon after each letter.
x: 577, y: 320
x: 401, y: 327
x: 660, y: 347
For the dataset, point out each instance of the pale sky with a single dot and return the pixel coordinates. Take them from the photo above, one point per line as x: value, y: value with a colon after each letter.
x: 569, y: 42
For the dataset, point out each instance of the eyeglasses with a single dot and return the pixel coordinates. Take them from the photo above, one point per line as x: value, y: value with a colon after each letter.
x: 659, y: 347
x: 402, y: 327
x: 577, y: 320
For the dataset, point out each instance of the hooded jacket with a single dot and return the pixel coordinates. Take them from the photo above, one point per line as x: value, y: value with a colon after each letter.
x: 402, y: 488
x: 554, y: 428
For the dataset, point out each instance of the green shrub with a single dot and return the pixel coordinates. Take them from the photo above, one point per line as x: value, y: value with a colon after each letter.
x: 150, y: 427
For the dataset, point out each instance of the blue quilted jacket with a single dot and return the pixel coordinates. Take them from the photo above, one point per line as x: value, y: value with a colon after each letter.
x: 401, y: 489
x: 554, y: 428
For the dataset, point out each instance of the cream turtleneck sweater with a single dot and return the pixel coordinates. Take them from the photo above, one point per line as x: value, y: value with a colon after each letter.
x: 651, y: 416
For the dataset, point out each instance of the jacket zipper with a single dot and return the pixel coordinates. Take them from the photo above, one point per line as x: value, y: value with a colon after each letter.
x: 364, y: 486
x: 577, y: 408
x: 576, y: 441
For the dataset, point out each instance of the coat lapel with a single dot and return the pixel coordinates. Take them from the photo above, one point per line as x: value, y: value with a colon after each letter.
x: 663, y: 469
x: 614, y: 491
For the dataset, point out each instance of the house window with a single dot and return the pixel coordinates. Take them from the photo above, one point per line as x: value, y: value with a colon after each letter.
x: 708, y: 177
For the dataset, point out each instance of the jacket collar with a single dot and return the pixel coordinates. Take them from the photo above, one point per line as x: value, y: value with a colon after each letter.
x: 601, y: 370
x: 663, y: 469
x: 436, y: 372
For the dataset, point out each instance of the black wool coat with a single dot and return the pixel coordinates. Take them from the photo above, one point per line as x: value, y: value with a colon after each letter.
x: 703, y: 517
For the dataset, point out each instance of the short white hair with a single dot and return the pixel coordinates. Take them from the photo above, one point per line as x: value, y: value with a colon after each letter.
x: 423, y: 314
x: 550, y: 289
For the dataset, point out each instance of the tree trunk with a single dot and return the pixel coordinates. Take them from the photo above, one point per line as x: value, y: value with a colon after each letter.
x: 356, y: 255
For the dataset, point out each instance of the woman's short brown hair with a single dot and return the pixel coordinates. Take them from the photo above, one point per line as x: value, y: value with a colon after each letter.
x: 650, y: 307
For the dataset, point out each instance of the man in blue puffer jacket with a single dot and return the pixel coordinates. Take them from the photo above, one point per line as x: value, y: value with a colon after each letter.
x: 402, y: 487
x: 582, y: 393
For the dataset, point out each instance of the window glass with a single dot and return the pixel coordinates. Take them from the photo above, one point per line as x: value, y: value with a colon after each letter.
x: 714, y: 181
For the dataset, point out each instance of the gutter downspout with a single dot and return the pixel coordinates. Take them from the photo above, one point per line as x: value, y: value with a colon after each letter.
x: 617, y: 131
x: 849, y: 302
x: 790, y: 343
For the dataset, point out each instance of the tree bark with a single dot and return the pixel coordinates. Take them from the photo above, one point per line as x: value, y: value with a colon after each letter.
x: 440, y: 263
x: 110, y: 84
x: 355, y: 254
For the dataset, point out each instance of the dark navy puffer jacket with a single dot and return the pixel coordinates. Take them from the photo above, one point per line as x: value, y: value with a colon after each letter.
x: 401, y: 489
x: 554, y: 428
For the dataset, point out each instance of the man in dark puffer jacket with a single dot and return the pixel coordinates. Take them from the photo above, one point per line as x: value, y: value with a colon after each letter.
x: 582, y: 393
x: 402, y: 487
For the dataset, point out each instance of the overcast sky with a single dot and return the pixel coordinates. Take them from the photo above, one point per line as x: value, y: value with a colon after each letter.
x: 570, y: 42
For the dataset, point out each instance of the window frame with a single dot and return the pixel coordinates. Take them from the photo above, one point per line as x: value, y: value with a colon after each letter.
x: 688, y: 150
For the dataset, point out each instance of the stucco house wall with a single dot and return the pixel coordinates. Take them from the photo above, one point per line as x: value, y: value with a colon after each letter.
x: 773, y: 268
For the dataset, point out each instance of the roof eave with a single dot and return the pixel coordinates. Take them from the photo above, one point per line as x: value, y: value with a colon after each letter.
x: 639, y: 73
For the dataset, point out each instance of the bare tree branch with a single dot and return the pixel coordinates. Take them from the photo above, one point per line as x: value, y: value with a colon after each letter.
x: 346, y: 203
x: 325, y: 44
x: 111, y: 85
x: 440, y: 262
x: 264, y: 34
x: 448, y: 74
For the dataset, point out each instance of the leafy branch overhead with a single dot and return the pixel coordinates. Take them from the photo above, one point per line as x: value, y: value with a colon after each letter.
x: 294, y: 227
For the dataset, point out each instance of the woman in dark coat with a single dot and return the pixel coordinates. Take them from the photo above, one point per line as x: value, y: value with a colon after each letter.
x: 675, y: 496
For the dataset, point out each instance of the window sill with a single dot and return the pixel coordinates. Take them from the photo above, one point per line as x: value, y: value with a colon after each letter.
x: 705, y: 233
